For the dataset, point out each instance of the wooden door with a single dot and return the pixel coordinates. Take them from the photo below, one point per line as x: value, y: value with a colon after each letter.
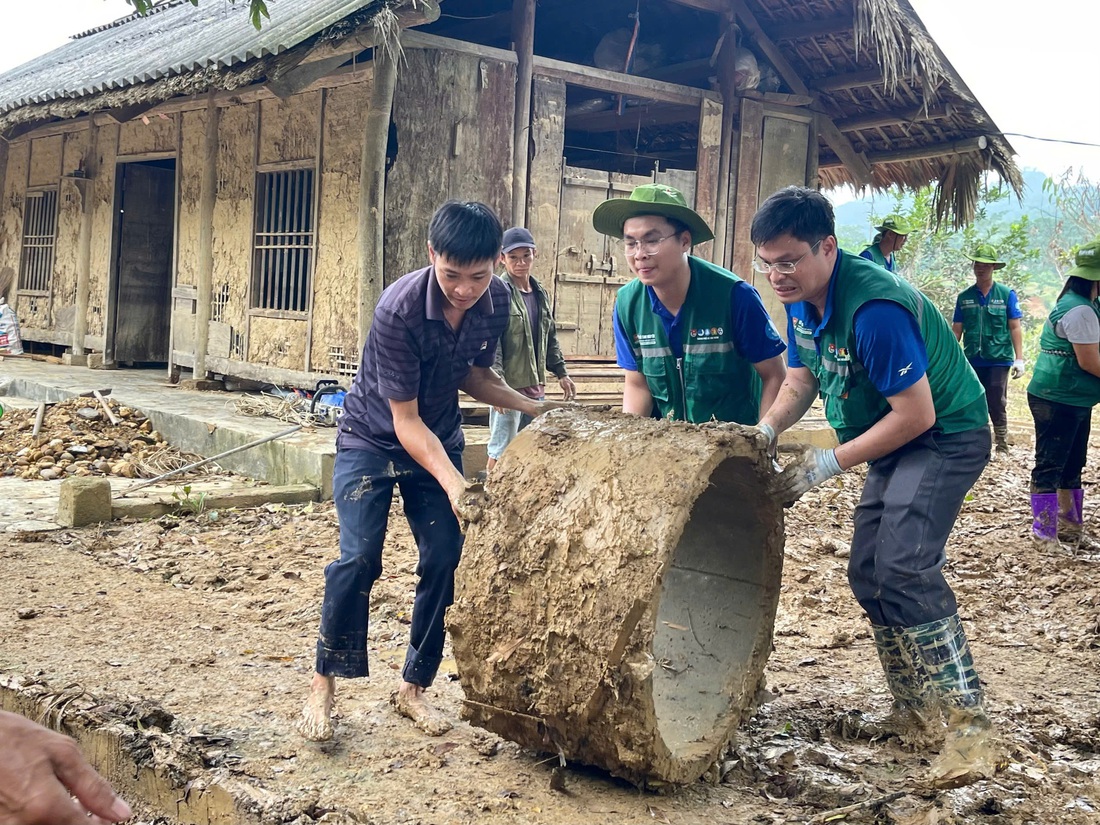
x: 146, y: 223
x: 591, y: 267
x: 775, y: 152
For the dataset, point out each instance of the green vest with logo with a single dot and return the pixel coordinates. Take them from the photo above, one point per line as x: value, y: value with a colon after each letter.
x: 985, y: 328
x: 712, y: 380
x: 852, y: 403
x: 1057, y: 375
x: 877, y: 257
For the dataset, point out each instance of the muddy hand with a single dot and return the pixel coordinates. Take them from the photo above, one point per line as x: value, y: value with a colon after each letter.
x: 811, y: 468
x: 470, y: 504
x: 772, y: 440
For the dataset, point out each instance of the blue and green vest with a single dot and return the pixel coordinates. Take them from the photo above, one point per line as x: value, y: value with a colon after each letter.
x: 1057, y: 375
x: 873, y: 253
x: 852, y: 403
x: 711, y: 380
x: 985, y: 328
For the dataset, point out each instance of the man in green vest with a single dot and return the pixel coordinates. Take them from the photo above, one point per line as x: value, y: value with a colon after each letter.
x: 893, y: 232
x: 902, y: 398
x: 695, y: 340
x: 987, y: 321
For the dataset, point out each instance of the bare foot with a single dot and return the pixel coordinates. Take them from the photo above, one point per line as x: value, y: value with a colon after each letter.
x: 410, y: 702
x: 316, y: 721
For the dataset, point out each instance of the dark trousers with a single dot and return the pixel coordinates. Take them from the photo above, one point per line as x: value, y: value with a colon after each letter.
x: 995, y: 381
x: 1061, y: 444
x: 905, y: 514
x: 362, y: 487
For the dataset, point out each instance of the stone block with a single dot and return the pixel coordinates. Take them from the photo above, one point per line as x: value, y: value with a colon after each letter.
x: 72, y: 359
x: 203, y: 384
x: 84, y: 500
x: 95, y: 360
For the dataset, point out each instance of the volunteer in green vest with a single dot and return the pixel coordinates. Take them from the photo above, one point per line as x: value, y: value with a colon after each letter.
x: 893, y: 232
x: 987, y: 321
x: 900, y: 396
x: 1064, y: 388
x: 695, y: 340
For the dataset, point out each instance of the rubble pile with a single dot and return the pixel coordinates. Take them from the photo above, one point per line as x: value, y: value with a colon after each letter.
x: 77, y: 439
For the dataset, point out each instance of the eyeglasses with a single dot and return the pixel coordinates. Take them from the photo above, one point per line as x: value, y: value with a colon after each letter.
x: 632, y: 247
x: 782, y: 267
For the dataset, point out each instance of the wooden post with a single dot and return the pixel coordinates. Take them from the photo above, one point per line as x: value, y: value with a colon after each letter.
x: 730, y: 105
x: 208, y: 196
x: 84, y: 241
x: 372, y: 186
x: 523, y: 36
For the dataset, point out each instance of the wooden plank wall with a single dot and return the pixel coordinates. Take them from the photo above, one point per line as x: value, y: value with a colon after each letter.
x: 544, y: 191
x: 706, y: 181
x: 11, y: 217
x: 748, y: 188
x: 453, y: 112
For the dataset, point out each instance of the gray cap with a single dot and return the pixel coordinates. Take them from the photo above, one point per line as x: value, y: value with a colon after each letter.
x: 516, y: 237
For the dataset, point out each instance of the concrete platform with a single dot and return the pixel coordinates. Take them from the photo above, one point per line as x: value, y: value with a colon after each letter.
x: 201, y: 422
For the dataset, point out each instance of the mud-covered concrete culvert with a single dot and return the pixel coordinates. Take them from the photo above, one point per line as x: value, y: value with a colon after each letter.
x: 615, y: 602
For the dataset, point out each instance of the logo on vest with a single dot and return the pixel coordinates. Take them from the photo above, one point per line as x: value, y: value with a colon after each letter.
x: 708, y: 333
x: 645, y: 339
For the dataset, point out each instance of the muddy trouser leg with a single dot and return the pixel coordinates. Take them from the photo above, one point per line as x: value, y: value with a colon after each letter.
x: 362, y: 488
x: 908, y: 507
x: 439, y: 540
x: 1061, y: 444
x: 995, y: 381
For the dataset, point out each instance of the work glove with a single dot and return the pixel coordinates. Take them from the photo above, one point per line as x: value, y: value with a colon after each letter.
x: 1018, y: 367
x: 769, y: 433
x: 812, y: 467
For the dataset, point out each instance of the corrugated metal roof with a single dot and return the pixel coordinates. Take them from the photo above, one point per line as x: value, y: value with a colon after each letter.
x: 175, y: 38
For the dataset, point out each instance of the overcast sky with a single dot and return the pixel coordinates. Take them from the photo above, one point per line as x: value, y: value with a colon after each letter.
x: 1035, y: 67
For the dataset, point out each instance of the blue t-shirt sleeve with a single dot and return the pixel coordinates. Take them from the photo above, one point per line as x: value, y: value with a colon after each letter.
x: 890, y: 346
x: 624, y: 352
x: 754, y: 334
x: 957, y: 318
x: 1013, y: 308
x: 792, y: 351
x: 866, y: 253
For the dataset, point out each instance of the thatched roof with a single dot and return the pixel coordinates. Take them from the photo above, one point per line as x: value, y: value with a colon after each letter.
x: 888, y: 88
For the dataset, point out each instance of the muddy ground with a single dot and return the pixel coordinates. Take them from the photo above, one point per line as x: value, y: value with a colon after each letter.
x: 213, y: 616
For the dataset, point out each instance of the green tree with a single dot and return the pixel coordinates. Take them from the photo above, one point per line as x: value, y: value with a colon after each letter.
x: 257, y: 9
x: 1076, y: 215
x: 934, y: 258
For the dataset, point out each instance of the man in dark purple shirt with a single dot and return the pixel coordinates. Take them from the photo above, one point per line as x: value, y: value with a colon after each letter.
x: 434, y: 332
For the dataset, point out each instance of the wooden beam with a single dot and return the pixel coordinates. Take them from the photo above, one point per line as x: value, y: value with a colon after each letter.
x: 679, y: 72
x: 303, y: 75
x: 208, y: 196
x: 815, y: 27
x: 851, y: 80
x: 929, y: 152
x: 84, y: 242
x: 128, y: 113
x: 860, y: 169
x: 921, y: 115
x: 523, y: 23
x: 372, y: 188
x: 633, y: 117
x: 619, y: 83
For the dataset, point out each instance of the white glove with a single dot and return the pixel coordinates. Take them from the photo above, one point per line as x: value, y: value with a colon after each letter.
x: 811, y: 468
x: 1018, y: 367
x: 769, y: 433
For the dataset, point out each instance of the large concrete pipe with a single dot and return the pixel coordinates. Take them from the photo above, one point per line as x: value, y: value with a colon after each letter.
x: 615, y: 602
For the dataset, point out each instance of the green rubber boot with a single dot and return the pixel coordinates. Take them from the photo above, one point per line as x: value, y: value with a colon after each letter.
x: 914, y: 701
x: 970, y: 750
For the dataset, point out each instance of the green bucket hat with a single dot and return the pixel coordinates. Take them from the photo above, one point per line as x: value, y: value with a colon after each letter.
x: 985, y: 254
x: 649, y: 199
x: 896, y: 224
x: 1086, y: 263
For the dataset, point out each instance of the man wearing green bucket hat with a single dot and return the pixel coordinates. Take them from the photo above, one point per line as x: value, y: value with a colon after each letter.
x: 694, y: 339
x: 893, y: 232
x: 1063, y: 390
x: 987, y: 321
